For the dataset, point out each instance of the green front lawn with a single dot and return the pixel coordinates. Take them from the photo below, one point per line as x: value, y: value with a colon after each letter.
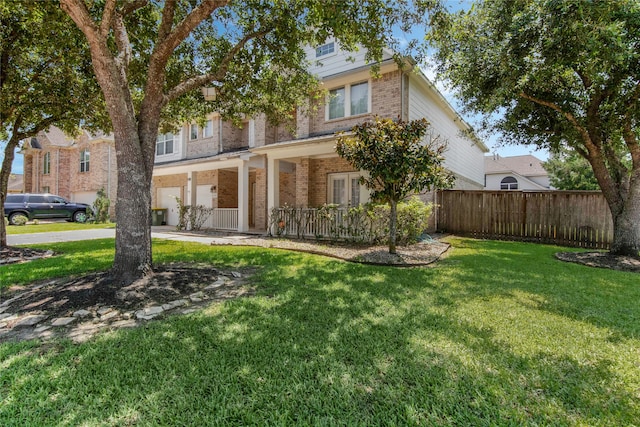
x: 498, y: 333
x: 48, y: 227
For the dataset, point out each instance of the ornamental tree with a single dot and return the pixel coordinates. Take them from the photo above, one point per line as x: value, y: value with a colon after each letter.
x: 570, y: 171
x: 150, y: 58
x: 45, y: 80
x: 401, y: 158
x: 561, y: 73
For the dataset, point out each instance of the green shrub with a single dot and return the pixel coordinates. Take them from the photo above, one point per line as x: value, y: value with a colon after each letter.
x: 359, y: 224
x: 101, y: 207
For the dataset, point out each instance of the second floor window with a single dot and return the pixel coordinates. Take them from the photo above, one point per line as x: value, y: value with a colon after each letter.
x: 46, y: 164
x: 207, y: 132
x: 193, y: 134
x: 164, y: 144
x: 84, y: 161
x: 325, y: 49
x: 509, y: 183
x: 349, y: 100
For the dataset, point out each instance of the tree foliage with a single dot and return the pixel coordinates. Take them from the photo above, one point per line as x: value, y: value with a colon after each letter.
x: 397, y: 160
x: 561, y: 73
x: 569, y: 171
x: 45, y: 79
x: 151, y: 57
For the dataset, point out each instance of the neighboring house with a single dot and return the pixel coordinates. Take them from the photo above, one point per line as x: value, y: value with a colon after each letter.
x: 515, y: 173
x: 246, y: 172
x: 16, y: 183
x: 74, y: 168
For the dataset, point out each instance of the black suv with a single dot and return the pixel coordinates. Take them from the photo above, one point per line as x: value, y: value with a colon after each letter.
x: 41, y: 206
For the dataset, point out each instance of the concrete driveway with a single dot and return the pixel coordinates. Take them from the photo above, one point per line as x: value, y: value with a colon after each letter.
x: 160, y: 232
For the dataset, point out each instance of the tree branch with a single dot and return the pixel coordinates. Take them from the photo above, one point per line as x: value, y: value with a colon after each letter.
x: 568, y: 115
x: 167, y: 19
x: 77, y: 10
x: 132, y: 6
x: 108, y: 14
x: 218, y: 75
x: 185, y: 27
x: 122, y: 42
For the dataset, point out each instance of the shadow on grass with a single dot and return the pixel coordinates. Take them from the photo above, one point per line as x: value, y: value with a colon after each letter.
x: 325, y: 342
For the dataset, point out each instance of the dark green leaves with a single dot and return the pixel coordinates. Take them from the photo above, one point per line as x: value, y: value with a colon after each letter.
x: 396, y: 157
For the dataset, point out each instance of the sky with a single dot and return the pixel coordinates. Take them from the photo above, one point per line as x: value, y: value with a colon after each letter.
x: 491, y: 141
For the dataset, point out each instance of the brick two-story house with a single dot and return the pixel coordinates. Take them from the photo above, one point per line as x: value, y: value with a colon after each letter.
x: 72, y: 167
x: 245, y: 172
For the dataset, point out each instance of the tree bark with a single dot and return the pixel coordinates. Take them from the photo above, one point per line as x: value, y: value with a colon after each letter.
x: 626, y: 224
x: 5, y: 172
x: 393, y: 225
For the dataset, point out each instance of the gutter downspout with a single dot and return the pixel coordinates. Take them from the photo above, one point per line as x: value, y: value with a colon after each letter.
x: 220, y: 148
x: 58, y: 171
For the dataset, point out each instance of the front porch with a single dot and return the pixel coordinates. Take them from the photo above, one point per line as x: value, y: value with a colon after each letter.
x: 224, y: 188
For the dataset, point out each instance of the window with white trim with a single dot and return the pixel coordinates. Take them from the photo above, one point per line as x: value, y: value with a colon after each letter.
x: 193, y: 134
x: 46, y: 164
x: 164, y: 144
x: 207, y: 131
x: 84, y: 161
x: 509, y: 183
x: 345, y: 189
x: 348, y: 100
x: 325, y: 49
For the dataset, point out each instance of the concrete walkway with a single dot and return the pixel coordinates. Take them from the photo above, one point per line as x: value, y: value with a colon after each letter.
x: 160, y: 232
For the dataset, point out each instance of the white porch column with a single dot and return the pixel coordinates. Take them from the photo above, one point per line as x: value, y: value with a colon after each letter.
x: 192, y: 189
x: 243, y: 196
x: 273, y: 184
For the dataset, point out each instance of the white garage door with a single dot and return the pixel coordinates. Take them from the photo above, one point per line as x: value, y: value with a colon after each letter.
x: 87, y: 197
x: 203, y: 196
x: 167, y: 199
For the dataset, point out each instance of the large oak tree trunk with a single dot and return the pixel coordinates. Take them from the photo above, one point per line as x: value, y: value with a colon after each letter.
x: 626, y: 221
x: 133, y: 257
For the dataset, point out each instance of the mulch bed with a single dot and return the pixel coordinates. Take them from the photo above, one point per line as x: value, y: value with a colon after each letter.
x: 601, y: 260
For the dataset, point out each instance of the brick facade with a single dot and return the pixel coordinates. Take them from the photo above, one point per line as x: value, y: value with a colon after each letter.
x: 386, y: 101
x: 64, y: 177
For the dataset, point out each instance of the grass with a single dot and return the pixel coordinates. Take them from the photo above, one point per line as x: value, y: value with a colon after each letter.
x: 499, y: 333
x: 48, y: 227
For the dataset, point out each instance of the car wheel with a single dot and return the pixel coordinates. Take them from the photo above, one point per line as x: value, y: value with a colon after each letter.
x: 18, y: 218
x: 80, y: 216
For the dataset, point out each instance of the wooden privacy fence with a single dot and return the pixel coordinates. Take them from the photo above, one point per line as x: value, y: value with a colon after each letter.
x: 568, y: 218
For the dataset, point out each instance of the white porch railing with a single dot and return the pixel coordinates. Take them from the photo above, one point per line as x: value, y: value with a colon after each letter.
x: 315, y: 223
x: 222, y: 219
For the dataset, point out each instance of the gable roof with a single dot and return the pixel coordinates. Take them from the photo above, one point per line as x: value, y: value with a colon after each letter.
x: 16, y: 183
x: 526, y: 165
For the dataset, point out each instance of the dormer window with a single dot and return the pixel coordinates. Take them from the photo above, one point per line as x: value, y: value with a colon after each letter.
x: 325, y: 49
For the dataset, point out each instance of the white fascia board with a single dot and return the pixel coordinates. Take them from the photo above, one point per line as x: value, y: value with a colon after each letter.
x: 309, y: 147
x: 220, y: 161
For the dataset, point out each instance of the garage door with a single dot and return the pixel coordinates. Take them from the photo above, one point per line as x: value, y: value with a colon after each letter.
x: 87, y: 197
x: 167, y: 199
x: 203, y: 196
